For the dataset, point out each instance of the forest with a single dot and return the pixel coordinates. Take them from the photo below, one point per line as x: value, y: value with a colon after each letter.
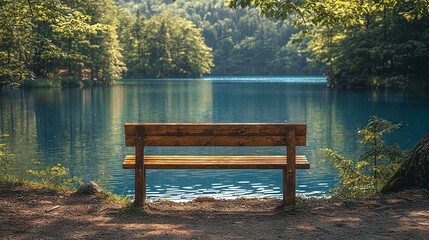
x: 242, y: 41
x: 354, y: 46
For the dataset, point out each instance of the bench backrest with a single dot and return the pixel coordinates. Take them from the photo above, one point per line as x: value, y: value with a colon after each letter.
x: 216, y: 134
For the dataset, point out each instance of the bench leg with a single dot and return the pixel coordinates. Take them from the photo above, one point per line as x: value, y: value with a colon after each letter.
x: 289, y: 186
x: 140, y: 188
x: 140, y: 170
x: 289, y: 174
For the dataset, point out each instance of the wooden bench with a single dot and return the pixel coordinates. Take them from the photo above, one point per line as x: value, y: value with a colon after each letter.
x: 289, y: 135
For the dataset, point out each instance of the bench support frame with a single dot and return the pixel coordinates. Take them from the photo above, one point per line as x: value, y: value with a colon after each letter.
x: 288, y: 172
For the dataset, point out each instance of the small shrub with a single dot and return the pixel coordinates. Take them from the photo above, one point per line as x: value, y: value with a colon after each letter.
x: 113, y: 198
x: 56, y: 177
x: 70, y: 82
x: 5, y: 158
x: 374, y: 166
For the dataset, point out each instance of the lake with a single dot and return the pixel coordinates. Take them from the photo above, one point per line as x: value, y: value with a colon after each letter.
x: 82, y: 128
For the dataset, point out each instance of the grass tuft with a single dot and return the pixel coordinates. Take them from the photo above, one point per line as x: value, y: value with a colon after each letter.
x: 132, y: 209
x: 109, y: 197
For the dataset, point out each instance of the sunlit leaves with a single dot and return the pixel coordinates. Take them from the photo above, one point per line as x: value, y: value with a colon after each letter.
x: 56, y: 176
x: 5, y: 157
x: 15, y: 37
x: 103, y: 54
x: 279, y: 9
x: 39, y: 37
x: 166, y: 46
x: 375, y: 165
x: 334, y: 12
x: 375, y: 129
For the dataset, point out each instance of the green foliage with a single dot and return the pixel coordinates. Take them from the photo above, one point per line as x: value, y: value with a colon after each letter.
x: 4, y: 156
x: 103, y: 52
x: 5, y: 159
x: 165, y: 46
x: 55, y: 177
x: 54, y: 39
x: 387, y: 52
x: 364, y: 44
x: 109, y: 197
x: 379, y: 44
x: 334, y: 12
x: 57, y: 37
x: 375, y: 165
x: 242, y: 41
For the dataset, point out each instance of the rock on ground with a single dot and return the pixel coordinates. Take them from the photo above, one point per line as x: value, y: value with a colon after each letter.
x: 89, y: 188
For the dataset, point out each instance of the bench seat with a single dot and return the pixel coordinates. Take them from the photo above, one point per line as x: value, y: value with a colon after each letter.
x: 215, y: 162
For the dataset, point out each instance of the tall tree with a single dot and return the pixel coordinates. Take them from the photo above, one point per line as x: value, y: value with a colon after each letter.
x: 387, y: 52
x: 166, y: 46
x: 105, y: 57
x: 47, y: 37
x: 15, y: 49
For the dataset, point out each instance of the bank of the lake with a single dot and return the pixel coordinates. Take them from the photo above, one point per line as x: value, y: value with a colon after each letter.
x: 36, y: 213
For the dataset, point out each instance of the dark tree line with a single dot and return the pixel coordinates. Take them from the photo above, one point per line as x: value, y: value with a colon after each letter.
x: 365, y: 44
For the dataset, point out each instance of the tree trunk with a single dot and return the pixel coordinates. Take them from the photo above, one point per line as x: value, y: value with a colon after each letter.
x: 413, y: 172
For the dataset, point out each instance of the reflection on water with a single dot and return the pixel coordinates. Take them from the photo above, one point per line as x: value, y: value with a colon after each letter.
x: 83, y: 129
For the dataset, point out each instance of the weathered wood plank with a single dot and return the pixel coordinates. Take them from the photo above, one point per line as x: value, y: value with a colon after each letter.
x: 215, y: 162
x: 216, y: 129
x: 215, y: 141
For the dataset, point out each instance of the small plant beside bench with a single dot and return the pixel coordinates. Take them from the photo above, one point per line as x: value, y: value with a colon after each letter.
x: 140, y: 135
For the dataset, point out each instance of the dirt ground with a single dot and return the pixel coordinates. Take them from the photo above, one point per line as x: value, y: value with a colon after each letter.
x: 35, y: 213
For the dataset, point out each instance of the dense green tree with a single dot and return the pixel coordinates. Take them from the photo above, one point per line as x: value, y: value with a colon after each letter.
x: 363, y: 43
x: 39, y: 36
x: 357, y: 34
x: 104, y: 55
x: 51, y: 38
x: 15, y: 49
x: 131, y: 35
x: 295, y: 59
x: 173, y: 47
x: 387, y: 52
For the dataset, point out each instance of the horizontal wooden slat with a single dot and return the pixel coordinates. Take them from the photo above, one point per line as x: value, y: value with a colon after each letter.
x: 217, y: 129
x: 215, y: 141
x: 215, y: 162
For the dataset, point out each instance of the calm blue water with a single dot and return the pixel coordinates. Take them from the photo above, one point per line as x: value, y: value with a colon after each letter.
x: 83, y: 129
